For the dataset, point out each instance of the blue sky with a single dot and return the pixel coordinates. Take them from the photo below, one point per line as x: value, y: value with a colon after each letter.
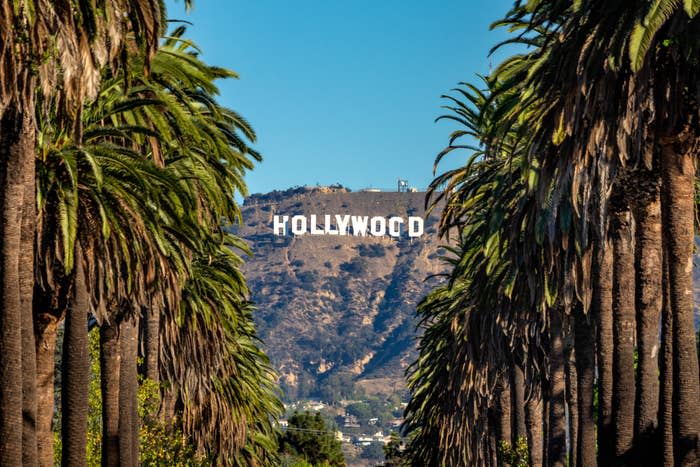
x: 344, y: 91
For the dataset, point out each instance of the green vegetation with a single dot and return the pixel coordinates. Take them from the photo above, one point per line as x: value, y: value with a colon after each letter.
x: 572, y: 229
x: 127, y: 170
x: 308, y: 440
x: 161, y: 444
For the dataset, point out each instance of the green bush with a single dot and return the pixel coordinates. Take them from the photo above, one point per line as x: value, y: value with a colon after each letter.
x: 161, y: 444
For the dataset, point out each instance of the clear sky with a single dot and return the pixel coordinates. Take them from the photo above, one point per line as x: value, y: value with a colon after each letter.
x: 344, y: 92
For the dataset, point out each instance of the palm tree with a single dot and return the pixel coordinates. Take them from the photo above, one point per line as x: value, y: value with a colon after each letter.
x: 210, y: 357
x: 599, y: 73
x: 623, y: 401
x: 32, y: 32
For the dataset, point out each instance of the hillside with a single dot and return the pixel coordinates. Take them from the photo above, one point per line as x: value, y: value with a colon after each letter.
x: 337, y: 313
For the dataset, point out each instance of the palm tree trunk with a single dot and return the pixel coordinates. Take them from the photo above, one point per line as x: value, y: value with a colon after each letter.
x: 26, y: 285
x: 75, y: 374
x: 128, y: 385
x: 545, y: 428
x: 572, y: 401
x: 16, y: 145
x: 533, y: 414
x: 556, y: 445
x: 110, y: 361
x: 623, y: 331
x: 45, y: 369
x: 601, y: 310
x: 678, y: 175
x: 492, y: 454
x: 584, y: 341
x: 666, y: 403
x: 648, y: 248
x: 151, y: 343
x: 503, y: 419
x: 517, y: 385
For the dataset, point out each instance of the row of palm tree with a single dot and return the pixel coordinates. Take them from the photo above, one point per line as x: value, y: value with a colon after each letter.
x: 566, y: 319
x: 119, y: 172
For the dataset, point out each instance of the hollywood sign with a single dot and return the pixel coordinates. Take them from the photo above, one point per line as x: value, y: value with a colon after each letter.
x: 339, y: 224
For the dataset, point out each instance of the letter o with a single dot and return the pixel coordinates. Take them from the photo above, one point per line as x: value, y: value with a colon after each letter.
x: 299, y: 225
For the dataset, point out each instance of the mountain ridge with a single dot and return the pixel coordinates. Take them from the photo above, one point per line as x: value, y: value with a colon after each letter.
x: 336, y: 313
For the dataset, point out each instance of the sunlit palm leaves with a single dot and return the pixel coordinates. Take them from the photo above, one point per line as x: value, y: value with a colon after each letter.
x: 148, y: 192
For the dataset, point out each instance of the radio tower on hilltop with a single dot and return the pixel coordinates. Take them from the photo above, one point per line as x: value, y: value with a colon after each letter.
x: 403, y: 186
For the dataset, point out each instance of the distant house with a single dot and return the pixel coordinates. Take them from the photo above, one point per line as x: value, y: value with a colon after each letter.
x: 351, y: 422
x: 372, y: 421
x: 284, y: 423
x: 363, y: 441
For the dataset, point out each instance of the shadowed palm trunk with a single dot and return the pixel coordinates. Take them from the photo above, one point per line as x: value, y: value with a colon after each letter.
x: 128, y: 385
x: 584, y: 342
x: 572, y: 400
x: 623, y: 330
x: 110, y: 361
x: 150, y: 325
x: 534, y: 422
x: 678, y: 172
x: 601, y: 309
x: 26, y: 285
x: 47, y: 325
x: 16, y: 145
x: 503, y: 419
x: 517, y: 385
x: 545, y: 430
x: 666, y: 398
x: 556, y: 445
x: 491, y: 456
x: 648, y: 248
x: 75, y: 374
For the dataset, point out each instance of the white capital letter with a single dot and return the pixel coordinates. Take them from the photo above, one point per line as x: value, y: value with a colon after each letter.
x: 377, y: 226
x: 342, y: 222
x: 280, y: 228
x: 415, y: 226
x: 328, y: 227
x: 395, y: 226
x: 299, y: 225
x: 314, y: 228
x: 359, y: 225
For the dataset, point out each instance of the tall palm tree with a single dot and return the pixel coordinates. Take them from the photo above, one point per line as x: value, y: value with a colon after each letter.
x: 607, y: 68
x: 211, y: 358
x: 88, y: 37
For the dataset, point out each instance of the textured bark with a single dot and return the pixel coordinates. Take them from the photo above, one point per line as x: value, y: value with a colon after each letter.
x: 45, y: 370
x: 601, y: 309
x: 128, y: 385
x: 556, y: 445
x: 572, y: 402
x: 503, y: 419
x: 110, y: 362
x: 623, y: 333
x: 648, y: 246
x: 151, y: 343
x: 584, y: 342
x: 666, y: 399
x: 678, y: 172
x: 16, y: 145
x: 26, y: 278
x: 491, y: 456
x: 534, y: 422
x: 517, y: 384
x: 545, y: 430
x: 75, y: 374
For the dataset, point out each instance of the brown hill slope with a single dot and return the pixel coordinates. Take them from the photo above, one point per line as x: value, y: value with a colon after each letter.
x: 337, y: 313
